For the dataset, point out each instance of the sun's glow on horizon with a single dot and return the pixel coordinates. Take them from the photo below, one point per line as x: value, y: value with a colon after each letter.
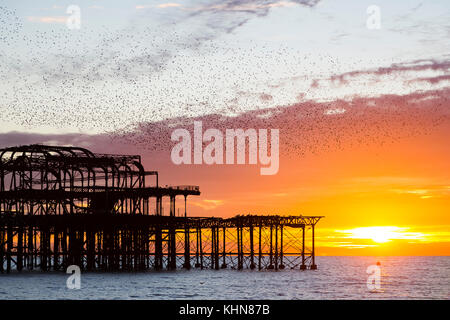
x: 382, y: 234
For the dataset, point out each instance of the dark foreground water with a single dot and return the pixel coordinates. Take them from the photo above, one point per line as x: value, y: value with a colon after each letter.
x: 336, y: 278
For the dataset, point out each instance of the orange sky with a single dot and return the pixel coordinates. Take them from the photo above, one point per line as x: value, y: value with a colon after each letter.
x: 401, y: 181
x: 382, y: 162
x: 363, y: 112
x: 361, y: 169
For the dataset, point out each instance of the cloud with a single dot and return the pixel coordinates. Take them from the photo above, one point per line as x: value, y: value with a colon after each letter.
x: 169, y: 5
x: 207, y: 204
x: 116, y: 69
x: 331, y: 112
x: 433, y: 80
x: 399, y: 68
x: 366, y: 121
x: 225, y: 16
x: 159, y: 6
x: 250, y: 6
x: 47, y: 19
x: 257, y: 7
x: 381, y: 234
x: 217, y: 17
x: 424, y: 191
x: 393, y: 117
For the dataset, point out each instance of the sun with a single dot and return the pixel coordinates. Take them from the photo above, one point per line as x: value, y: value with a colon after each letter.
x: 377, y: 234
x: 380, y: 234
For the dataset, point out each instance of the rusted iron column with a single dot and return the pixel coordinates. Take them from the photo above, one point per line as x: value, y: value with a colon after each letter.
x: 281, y: 248
x: 56, y: 250
x: 19, y: 257
x: 158, y: 249
x: 158, y: 208
x: 30, y: 249
x: 201, y: 249
x: 9, y: 244
x: 252, y: 253
x: 90, y: 235
x: 276, y: 247
x: 217, y: 241
x: 187, y: 244
x: 187, y: 250
x: 197, y: 248
x: 238, y: 247
x: 313, y: 264
x: 260, y: 248
x: 303, y: 266
x: 172, y: 254
x: 213, y: 246
x: 172, y: 249
x: 224, y: 264
x: 43, y: 252
x: 271, y: 249
x: 2, y: 250
x: 65, y: 262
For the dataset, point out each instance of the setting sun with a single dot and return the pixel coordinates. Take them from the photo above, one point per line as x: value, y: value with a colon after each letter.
x: 381, y: 234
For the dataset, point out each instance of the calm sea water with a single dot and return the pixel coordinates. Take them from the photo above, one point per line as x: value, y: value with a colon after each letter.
x: 336, y: 278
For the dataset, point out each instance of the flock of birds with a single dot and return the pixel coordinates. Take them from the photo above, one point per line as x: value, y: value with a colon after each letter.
x: 137, y: 84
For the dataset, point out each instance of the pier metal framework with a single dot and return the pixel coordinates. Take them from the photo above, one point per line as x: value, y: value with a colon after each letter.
x: 62, y: 206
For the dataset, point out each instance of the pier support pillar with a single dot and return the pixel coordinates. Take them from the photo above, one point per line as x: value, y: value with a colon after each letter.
x: 213, y: 246
x: 172, y: 254
x: 158, y: 206
x: 90, y: 235
x: 19, y: 261
x: 158, y: 249
x: 252, y: 252
x: 56, y: 250
x: 240, y: 249
x: 281, y: 248
x: 224, y: 264
x: 199, y: 251
x: 187, y: 249
x: 276, y: 247
x: 197, y: 248
x: 270, y: 267
x: 30, y: 249
x: 303, y: 265
x: 187, y: 240
x: 216, y: 258
x: 2, y: 250
x: 313, y: 257
x: 260, y: 248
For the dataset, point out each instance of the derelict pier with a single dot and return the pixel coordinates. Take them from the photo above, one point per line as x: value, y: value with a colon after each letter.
x: 62, y: 206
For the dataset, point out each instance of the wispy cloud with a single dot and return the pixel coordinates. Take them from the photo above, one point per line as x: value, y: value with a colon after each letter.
x: 331, y: 112
x: 425, y: 191
x: 207, y: 204
x: 248, y: 6
x: 159, y: 6
x: 47, y: 19
x: 169, y: 5
x: 421, y: 65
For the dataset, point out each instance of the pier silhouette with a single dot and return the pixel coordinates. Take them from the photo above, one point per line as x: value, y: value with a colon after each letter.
x: 62, y: 206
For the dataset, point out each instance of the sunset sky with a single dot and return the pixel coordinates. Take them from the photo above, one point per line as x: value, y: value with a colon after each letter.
x: 363, y: 113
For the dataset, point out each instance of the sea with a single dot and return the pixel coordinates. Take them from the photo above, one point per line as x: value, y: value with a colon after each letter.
x: 336, y: 278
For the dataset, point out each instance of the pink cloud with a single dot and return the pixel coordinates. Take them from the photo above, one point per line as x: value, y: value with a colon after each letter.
x: 47, y: 19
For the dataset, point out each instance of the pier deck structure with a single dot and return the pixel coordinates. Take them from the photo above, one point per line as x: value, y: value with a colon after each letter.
x: 62, y: 206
